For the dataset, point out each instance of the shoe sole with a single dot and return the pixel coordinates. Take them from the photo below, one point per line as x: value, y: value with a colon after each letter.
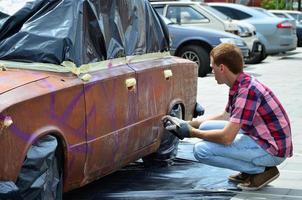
x: 259, y: 187
x: 235, y: 180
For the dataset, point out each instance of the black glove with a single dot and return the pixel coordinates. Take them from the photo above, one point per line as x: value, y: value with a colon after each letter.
x: 177, y: 127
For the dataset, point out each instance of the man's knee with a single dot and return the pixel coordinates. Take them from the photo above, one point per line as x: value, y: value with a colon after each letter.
x: 201, y: 151
x: 212, y: 124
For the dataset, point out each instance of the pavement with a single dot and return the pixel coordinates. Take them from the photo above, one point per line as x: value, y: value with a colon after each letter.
x: 283, y: 74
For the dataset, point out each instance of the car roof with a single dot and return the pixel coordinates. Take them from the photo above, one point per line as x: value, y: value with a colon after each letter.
x: 286, y: 11
x: 251, y: 11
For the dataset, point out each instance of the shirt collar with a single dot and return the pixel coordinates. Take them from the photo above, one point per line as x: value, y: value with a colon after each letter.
x: 238, y: 80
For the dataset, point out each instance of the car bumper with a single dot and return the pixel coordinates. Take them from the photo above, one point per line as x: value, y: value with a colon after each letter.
x: 245, y: 51
x: 283, y: 44
x: 250, y: 41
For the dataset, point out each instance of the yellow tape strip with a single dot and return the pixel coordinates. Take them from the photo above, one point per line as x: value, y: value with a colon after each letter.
x: 68, y: 66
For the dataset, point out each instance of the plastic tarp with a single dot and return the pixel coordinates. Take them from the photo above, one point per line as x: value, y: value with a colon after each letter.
x: 80, y: 31
x: 185, y: 179
x: 40, y: 177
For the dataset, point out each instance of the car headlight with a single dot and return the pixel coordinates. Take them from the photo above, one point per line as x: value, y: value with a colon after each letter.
x: 237, y: 42
x: 244, y: 31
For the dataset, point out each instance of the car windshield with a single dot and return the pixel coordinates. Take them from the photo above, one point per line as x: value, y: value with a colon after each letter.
x: 10, y: 7
x: 216, y: 12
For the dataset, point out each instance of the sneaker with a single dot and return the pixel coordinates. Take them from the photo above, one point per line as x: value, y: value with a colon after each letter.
x: 258, y: 181
x: 240, y: 177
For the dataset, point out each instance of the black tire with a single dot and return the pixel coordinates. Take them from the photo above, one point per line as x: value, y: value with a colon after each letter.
x: 299, y: 43
x: 41, y: 176
x: 256, y: 57
x: 168, y: 146
x: 263, y: 53
x: 198, y: 55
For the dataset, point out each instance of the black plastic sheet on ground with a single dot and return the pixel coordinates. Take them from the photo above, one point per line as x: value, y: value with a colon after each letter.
x: 81, y: 31
x: 185, y: 179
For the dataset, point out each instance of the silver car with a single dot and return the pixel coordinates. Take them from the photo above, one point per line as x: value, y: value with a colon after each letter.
x: 277, y: 35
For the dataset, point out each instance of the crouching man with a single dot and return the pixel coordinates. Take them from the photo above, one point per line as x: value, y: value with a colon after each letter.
x: 251, y: 136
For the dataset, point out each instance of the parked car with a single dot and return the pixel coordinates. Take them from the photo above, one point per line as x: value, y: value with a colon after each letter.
x: 188, y: 13
x: 277, y: 35
x: 195, y: 43
x: 297, y: 15
x: 83, y: 91
x: 286, y: 14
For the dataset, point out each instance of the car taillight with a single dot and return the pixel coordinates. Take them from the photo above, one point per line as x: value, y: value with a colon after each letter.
x: 284, y: 25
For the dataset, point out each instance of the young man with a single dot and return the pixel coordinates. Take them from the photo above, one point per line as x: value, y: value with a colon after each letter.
x: 251, y: 136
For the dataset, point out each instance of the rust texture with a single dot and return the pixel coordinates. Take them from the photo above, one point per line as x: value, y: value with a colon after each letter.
x: 102, y: 124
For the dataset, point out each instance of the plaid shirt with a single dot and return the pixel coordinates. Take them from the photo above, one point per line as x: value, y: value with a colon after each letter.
x: 261, y: 115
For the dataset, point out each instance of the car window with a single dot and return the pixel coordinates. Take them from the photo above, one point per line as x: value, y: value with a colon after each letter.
x: 216, y: 12
x: 159, y: 9
x: 185, y: 15
x: 233, y: 13
x: 281, y: 15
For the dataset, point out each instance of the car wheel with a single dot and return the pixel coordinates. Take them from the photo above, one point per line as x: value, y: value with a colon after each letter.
x: 256, y: 57
x: 198, y: 55
x: 168, y: 146
x: 299, y: 42
x: 41, y: 176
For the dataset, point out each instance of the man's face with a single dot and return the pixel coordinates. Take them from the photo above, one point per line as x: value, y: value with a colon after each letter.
x: 217, y: 70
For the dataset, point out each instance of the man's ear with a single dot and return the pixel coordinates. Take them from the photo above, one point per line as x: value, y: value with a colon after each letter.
x: 222, y: 67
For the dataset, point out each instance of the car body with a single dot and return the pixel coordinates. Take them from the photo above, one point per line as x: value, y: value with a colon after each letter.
x: 103, y: 104
x: 277, y: 35
x: 297, y: 15
x: 287, y: 15
x: 187, y: 13
x: 195, y: 43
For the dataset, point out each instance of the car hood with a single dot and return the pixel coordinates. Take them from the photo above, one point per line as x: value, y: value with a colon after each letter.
x: 14, y: 78
x: 199, y: 31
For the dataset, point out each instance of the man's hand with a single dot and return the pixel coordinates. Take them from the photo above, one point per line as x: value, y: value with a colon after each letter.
x: 176, y: 126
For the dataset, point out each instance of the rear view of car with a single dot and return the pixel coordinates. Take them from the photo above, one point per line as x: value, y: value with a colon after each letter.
x: 294, y: 19
x: 277, y: 35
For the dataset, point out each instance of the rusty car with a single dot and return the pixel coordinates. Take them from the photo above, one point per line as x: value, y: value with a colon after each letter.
x: 83, y: 87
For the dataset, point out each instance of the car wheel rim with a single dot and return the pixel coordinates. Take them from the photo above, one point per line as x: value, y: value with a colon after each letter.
x: 190, y: 55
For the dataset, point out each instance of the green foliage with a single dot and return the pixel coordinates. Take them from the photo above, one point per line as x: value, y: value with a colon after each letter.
x: 277, y: 4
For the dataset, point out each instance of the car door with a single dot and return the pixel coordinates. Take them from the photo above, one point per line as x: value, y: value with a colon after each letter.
x: 154, y: 83
x: 111, y: 115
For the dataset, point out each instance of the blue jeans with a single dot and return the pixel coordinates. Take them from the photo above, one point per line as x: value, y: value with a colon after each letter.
x: 243, y: 155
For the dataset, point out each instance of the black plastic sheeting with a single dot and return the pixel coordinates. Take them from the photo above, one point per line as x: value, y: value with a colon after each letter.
x: 185, y: 179
x: 81, y: 31
x: 40, y: 177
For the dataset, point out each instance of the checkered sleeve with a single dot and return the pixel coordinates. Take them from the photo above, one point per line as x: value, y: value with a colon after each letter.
x: 245, y: 106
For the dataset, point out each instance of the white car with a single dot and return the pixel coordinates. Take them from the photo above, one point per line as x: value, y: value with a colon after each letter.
x: 188, y: 13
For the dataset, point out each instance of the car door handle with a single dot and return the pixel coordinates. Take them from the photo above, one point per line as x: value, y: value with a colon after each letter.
x: 130, y: 83
x: 168, y: 74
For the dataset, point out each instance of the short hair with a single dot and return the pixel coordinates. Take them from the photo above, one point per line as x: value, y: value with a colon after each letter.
x: 229, y: 55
